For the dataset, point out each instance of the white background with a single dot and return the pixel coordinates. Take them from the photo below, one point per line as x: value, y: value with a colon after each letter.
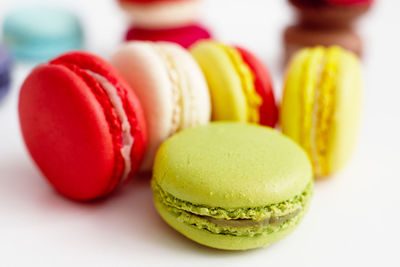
x: 354, y: 218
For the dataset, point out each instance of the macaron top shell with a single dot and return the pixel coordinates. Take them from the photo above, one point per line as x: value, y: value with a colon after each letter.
x: 231, y: 165
x: 72, y: 130
x: 170, y: 86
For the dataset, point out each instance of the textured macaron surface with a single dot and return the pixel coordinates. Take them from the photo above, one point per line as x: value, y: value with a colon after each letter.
x: 321, y: 105
x: 72, y: 129
x: 232, y: 179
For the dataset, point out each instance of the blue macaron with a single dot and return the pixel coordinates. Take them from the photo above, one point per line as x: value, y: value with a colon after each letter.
x: 5, y: 71
x: 40, y: 33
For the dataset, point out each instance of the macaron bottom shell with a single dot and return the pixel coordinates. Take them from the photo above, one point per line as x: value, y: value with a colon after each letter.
x: 226, y: 241
x: 184, y: 36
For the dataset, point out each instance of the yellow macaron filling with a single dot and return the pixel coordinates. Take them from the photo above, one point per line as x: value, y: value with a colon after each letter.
x: 247, y: 78
x: 319, y: 83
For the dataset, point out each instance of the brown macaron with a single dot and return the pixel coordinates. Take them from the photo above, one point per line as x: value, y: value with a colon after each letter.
x: 297, y: 36
x: 318, y: 13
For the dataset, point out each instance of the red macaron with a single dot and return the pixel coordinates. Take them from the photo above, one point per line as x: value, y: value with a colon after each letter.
x: 184, y: 36
x: 82, y: 124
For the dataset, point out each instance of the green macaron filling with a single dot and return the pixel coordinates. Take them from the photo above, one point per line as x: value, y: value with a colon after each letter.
x: 236, y: 222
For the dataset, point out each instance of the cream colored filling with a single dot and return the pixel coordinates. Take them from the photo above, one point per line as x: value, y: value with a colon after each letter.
x: 116, y: 102
x: 173, y: 76
x: 252, y: 223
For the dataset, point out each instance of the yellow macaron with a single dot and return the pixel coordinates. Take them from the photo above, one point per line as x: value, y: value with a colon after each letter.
x: 239, y: 83
x: 321, y: 105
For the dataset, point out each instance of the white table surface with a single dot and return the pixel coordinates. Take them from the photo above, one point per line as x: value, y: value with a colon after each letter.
x: 354, y: 218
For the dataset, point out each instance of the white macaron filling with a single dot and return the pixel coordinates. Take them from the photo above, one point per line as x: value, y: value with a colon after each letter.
x: 116, y: 102
x: 176, y: 89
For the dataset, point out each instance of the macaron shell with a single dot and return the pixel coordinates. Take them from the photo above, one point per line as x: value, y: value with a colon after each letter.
x: 226, y: 242
x: 66, y: 132
x: 40, y: 32
x: 321, y: 14
x: 184, y: 36
x: 161, y: 14
x: 346, y: 121
x: 145, y: 72
x: 291, y: 106
x: 227, y: 96
x: 263, y: 85
x: 298, y: 37
x: 196, y: 97
x: 249, y: 166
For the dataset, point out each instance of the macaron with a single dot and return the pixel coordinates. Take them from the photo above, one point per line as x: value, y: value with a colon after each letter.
x: 321, y: 105
x: 170, y: 86
x: 39, y: 33
x: 240, y: 85
x: 5, y: 71
x: 330, y: 13
x: 160, y: 14
x: 82, y: 124
x: 184, y: 36
x: 231, y: 185
x: 297, y: 37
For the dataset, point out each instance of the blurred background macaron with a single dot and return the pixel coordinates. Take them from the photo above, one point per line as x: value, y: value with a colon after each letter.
x: 321, y: 105
x: 297, y: 37
x: 156, y: 14
x: 174, y: 21
x: 5, y: 71
x: 184, y: 36
x: 330, y: 13
x: 38, y: 33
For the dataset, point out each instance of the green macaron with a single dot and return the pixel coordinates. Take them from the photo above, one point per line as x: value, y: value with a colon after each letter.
x: 231, y: 185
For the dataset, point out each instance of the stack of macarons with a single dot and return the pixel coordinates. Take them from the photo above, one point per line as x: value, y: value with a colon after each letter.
x: 326, y: 23
x: 164, y: 20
